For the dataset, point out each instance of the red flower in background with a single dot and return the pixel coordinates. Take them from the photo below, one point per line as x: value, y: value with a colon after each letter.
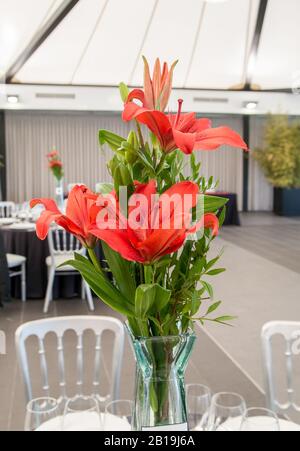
x: 185, y: 131
x: 160, y: 230
x: 80, y: 217
x: 156, y: 92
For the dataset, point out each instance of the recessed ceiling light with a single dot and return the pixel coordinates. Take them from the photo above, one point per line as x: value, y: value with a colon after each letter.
x: 13, y: 99
x: 251, y: 105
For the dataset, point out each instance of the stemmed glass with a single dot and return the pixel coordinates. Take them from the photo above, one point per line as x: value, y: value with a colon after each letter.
x: 198, y: 403
x: 226, y: 412
x: 82, y: 413
x: 42, y: 412
x: 118, y: 416
x: 260, y: 420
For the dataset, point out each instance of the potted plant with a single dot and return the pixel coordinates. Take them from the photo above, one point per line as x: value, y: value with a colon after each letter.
x: 155, y: 239
x: 280, y: 160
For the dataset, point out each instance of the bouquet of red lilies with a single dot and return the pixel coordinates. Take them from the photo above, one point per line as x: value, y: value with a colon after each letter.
x: 55, y: 164
x: 155, y: 225
x: 154, y: 235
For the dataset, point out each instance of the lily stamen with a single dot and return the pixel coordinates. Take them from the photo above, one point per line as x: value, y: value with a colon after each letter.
x: 180, y: 102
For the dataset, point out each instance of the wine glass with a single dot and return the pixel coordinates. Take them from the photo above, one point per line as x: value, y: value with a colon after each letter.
x: 198, y: 404
x: 260, y: 420
x: 226, y: 412
x: 42, y: 413
x: 118, y: 416
x: 82, y: 413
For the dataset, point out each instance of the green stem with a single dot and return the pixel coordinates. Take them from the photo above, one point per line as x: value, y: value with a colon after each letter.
x: 148, y: 272
x: 94, y: 260
x: 141, y: 139
x: 161, y: 163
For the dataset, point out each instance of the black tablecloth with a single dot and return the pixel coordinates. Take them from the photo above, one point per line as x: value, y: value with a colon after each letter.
x: 4, y: 275
x: 26, y: 243
x: 232, y: 214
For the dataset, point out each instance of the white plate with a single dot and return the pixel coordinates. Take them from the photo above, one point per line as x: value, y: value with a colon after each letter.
x: 234, y: 424
x: 7, y: 221
x: 22, y: 226
x: 85, y: 421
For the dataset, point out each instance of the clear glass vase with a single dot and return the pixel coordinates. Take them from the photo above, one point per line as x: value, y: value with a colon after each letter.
x: 59, y: 193
x: 160, y: 403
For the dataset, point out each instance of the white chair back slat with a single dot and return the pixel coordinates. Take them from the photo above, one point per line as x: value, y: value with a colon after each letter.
x: 290, y: 331
x: 79, y: 324
x: 7, y: 209
x: 44, y: 368
x: 62, y: 243
x: 61, y: 366
x: 79, y: 349
x: 97, y: 365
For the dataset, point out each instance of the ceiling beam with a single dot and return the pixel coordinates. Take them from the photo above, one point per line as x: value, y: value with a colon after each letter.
x: 56, y: 18
x: 255, y: 43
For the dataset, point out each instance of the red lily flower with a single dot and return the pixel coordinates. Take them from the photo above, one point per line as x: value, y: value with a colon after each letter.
x: 157, y: 227
x: 156, y: 92
x: 55, y: 163
x: 80, y: 215
x: 185, y: 131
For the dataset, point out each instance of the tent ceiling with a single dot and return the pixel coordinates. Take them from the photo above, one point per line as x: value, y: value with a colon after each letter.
x: 100, y: 42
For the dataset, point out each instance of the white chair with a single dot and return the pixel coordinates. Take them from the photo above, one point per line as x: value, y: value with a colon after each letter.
x: 7, y: 209
x: 18, y: 262
x: 59, y: 326
x: 290, y: 331
x: 62, y: 246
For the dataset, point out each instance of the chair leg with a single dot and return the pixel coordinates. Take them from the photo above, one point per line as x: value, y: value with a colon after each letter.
x: 48, y: 297
x: 89, y: 297
x: 23, y: 282
x: 82, y: 290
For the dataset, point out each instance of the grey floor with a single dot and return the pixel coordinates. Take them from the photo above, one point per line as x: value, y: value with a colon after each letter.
x: 262, y: 283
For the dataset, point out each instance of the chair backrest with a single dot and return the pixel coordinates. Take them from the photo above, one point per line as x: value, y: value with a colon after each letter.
x: 59, y: 326
x: 61, y: 242
x: 290, y: 331
x: 7, y: 209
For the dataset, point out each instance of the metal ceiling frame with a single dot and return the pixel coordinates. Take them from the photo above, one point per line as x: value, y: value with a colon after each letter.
x: 252, y: 58
x: 66, y: 7
x: 56, y: 18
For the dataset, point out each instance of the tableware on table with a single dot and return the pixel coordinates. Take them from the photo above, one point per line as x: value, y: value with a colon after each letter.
x: 198, y: 404
x: 260, y: 420
x: 82, y: 413
x: 41, y: 411
x: 224, y: 407
x: 118, y: 416
x: 6, y: 221
x: 22, y: 226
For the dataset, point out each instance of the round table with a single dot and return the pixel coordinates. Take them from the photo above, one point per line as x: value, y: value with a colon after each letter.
x: 21, y: 239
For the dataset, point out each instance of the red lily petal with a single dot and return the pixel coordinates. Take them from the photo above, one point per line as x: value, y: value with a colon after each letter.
x: 119, y: 242
x: 136, y: 94
x: 200, y: 125
x: 44, y: 221
x: 49, y: 204
x: 211, y: 222
x: 131, y: 109
x: 184, y: 141
x: 215, y: 137
x: 157, y: 122
x: 156, y: 80
x: 167, y: 86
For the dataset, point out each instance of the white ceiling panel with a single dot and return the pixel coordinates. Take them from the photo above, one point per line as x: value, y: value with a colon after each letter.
x: 115, y: 46
x: 19, y: 21
x: 219, y: 58
x: 171, y: 37
x: 56, y: 60
x: 278, y: 62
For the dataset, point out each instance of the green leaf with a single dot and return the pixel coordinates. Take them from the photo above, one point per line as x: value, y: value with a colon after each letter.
x: 105, y: 188
x: 114, y: 141
x: 150, y: 299
x: 222, y: 216
x: 213, y: 307
x: 101, y: 286
x: 124, y: 91
x: 208, y: 288
x: 215, y: 272
x: 213, y: 203
x: 121, y: 270
x: 224, y: 319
